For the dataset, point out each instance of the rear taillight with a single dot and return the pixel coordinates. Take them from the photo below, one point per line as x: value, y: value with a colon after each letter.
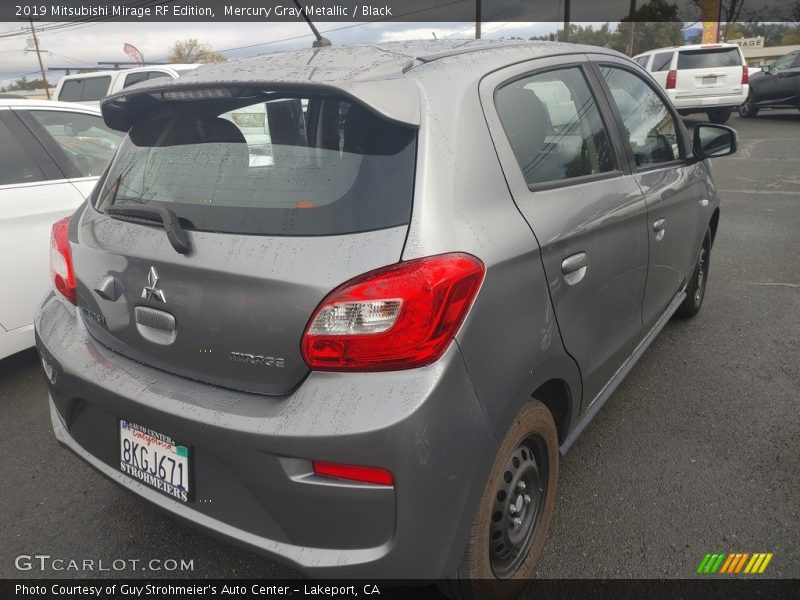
x: 61, y: 271
x: 353, y: 473
x: 393, y: 318
x: 672, y: 78
x: 745, y: 75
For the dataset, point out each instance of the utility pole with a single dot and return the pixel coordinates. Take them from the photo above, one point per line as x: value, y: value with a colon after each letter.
x: 39, y: 56
x: 632, y: 27
x: 477, y: 19
x: 566, y: 20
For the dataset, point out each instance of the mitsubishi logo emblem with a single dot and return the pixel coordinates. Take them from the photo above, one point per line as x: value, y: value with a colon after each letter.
x: 150, y: 291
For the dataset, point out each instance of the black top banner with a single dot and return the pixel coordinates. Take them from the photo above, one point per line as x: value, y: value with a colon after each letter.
x: 398, y: 10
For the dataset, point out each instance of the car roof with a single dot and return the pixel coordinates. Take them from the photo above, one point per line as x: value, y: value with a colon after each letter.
x: 384, y: 76
x: 689, y: 47
x: 43, y: 104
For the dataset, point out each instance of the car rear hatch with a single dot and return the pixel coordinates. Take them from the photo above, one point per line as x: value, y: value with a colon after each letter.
x: 714, y: 71
x: 224, y: 220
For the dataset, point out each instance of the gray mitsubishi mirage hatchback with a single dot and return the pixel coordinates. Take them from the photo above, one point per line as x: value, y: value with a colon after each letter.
x: 346, y: 306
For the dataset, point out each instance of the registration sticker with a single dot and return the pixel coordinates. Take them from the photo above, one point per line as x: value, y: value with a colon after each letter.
x: 154, y: 459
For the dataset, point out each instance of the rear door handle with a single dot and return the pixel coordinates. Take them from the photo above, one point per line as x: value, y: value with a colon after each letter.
x: 660, y: 228
x: 574, y: 267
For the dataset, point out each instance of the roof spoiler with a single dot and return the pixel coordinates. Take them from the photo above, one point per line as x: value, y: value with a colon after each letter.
x: 395, y: 100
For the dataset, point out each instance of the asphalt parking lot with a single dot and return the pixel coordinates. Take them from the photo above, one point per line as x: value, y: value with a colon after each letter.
x: 696, y: 452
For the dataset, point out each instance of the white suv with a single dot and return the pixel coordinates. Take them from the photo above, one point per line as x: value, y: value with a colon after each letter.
x: 709, y: 78
x: 90, y: 88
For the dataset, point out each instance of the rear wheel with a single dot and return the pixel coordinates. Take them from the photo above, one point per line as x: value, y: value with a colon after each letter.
x: 510, y: 528
x: 747, y: 109
x: 720, y: 115
x: 696, y: 289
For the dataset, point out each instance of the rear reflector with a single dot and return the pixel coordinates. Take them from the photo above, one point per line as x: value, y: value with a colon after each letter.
x: 353, y: 473
x: 397, y: 317
x: 745, y: 75
x: 672, y: 78
x: 61, y: 271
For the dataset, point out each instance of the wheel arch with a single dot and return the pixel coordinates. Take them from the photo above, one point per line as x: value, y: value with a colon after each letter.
x: 555, y: 395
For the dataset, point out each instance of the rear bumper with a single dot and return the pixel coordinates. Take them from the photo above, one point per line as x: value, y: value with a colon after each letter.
x: 702, y: 103
x: 251, y: 454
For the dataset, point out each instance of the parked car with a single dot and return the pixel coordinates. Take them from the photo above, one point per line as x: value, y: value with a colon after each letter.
x: 709, y: 78
x: 364, y: 356
x: 776, y: 86
x: 90, y: 88
x: 51, y: 155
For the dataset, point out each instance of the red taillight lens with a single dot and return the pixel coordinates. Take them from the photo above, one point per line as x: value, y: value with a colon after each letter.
x: 61, y: 271
x: 745, y: 75
x: 672, y: 78
x: 353, y: 473
x: 393, y: 318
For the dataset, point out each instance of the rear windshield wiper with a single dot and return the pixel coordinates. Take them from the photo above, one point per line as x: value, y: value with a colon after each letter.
x: 172, y: 226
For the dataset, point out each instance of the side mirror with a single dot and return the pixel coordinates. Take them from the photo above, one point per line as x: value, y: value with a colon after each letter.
x: 714, y: 141
x: 766, y: 69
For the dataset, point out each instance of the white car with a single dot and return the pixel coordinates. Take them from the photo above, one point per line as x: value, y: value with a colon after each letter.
x: 709, y: 78
x: 90, y: 88
x: 51, y: 155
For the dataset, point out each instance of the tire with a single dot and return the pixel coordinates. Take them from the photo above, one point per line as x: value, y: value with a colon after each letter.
x: 747, y: 110
x: 696, y: 289
x: 529, y: 452
x: 720, y: 115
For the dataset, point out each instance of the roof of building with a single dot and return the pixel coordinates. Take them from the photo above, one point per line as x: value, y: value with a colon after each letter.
x: 769, y: 51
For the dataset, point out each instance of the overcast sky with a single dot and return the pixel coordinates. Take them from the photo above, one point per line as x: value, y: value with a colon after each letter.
x: 85, y: 44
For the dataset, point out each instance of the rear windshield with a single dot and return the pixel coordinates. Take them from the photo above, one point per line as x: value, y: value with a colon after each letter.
x: 81, y: 90
x: 287, y: 166
x: 709, y: 58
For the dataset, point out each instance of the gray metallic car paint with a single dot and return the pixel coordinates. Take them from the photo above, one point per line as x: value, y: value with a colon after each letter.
x: 233, y: 293
x: 435, y: 428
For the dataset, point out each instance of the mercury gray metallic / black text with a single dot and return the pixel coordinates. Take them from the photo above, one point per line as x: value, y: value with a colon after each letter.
x: 345, y: 306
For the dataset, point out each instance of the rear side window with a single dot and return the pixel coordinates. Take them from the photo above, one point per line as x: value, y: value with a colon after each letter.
x: 290, y: 166
x: 16, y: 165
x: 85, y: 139
x: 709, y: 58
x: 134, y: 78
x: 554, y: 127
x: 82, y: 90
x: 140, y: 76
x: 662, y: 61
x: 642, y: 60
x: 71, y: 90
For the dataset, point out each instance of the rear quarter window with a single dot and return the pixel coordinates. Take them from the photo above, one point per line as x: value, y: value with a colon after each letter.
x: 662, y: 61
x: 709, y: 58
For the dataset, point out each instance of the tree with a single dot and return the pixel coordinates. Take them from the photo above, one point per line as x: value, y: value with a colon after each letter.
x: 657, y: 25
x: 23, y: 84
x: 192, y: 51
x: 791, y: 37
x: 579, y: 34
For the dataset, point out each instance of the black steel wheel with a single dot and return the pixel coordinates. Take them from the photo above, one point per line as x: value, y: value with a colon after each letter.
x: 512, y: 520
x: 696, y: 287
x: 518, y: 506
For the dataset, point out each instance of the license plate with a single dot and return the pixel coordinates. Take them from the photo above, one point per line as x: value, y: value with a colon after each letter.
x: 154, y: 459
x: 709, y: 80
